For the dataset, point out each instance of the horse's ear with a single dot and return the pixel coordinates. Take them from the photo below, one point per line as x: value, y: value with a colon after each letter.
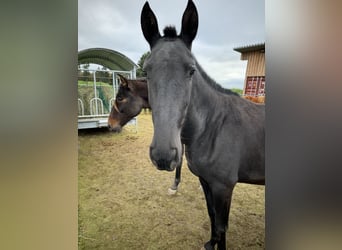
x: 189, y: 24
x: 149, y: 25
x: 123, y: 81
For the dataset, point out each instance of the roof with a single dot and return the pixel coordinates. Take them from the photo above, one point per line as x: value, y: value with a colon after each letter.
x: 111, y: 59
x: 250, y: 48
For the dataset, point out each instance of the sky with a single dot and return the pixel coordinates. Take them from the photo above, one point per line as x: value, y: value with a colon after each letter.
x: 223, y: 25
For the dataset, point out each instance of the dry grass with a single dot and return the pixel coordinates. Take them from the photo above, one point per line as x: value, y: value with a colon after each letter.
x: 123, y: 200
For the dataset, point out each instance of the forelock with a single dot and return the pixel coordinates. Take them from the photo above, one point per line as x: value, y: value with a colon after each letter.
x: 170, y: 32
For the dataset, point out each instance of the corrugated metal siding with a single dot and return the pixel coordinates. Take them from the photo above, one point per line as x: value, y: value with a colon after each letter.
x: 256, y: 63
x: 255, y: 67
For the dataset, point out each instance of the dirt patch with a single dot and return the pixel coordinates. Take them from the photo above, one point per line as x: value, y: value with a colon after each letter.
x: 124, y: 204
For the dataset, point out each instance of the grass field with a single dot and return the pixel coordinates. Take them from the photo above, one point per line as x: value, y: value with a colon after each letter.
x: 124, y: 204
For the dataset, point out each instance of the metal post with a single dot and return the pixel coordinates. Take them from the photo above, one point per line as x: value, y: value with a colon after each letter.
x: 134, y: 72
x: 96, y: 108
x: 114, y: 83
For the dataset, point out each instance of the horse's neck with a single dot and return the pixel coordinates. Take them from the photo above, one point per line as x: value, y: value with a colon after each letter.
x: 205, y: 99
x: 207, y: 107
x: 141, y: 90
x: 200, y: 107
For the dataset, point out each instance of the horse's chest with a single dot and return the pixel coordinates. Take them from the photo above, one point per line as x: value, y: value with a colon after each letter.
x: 198, y: 161
x: 213, y: 161
x: 194, y: 168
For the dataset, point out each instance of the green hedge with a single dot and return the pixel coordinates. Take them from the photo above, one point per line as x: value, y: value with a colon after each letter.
x: 86, y: 93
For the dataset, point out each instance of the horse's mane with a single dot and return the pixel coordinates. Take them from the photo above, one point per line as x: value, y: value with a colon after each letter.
x: 139, y: 83
x: 214, y: 84
x: 140, y: 79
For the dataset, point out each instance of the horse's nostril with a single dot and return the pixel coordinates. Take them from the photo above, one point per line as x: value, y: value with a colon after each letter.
x: 152, y: 154
x: 154, y: 162
x: 173, y: 154
x: 115, y: 129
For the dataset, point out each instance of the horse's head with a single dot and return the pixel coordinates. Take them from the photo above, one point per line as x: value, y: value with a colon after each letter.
x: 127, y: 105
x: 170, y: 68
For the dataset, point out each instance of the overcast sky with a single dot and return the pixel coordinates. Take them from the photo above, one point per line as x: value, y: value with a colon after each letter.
x: 223, y: 25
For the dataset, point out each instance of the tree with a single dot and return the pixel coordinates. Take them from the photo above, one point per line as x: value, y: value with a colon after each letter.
x: 86, y: 73
x: 238, y: 91
x: 140, y: 71
x: 106, y: 74
x: 102, y: 74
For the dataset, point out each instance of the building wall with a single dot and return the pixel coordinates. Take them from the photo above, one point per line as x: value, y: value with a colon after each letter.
x: 254, y: 84
x: 256, y: 63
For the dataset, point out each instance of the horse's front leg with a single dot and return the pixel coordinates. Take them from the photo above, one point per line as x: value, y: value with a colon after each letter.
x: 218, y: 199
x: 210, y: 245
x: 173, y: 189
x: 222, y: 197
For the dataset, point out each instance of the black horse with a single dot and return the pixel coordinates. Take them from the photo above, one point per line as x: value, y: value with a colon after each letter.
x: 131, y: 98
x: 222, y: 134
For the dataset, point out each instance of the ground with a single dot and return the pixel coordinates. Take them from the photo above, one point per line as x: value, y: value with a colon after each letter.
x: 124, y: 203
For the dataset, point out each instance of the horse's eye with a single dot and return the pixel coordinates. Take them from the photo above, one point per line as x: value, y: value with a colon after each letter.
x: 192, y: 71
x: 119, y: 98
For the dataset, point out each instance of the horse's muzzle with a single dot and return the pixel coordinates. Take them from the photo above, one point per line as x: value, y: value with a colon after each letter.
x: 164, y: 160
x: 115, y: 129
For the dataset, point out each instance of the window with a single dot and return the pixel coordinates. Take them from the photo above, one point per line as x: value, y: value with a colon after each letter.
x: 255, y: 86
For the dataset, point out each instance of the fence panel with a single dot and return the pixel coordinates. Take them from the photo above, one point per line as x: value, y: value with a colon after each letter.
x: 96, y: 93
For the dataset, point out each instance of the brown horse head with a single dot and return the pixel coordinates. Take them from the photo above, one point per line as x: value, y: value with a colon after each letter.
x: 130, y: 100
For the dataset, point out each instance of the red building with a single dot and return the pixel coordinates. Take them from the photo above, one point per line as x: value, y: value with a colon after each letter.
x: 254, y: 84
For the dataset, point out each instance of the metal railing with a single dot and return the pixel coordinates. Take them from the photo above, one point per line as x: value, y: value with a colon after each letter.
x: 96, y: 94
